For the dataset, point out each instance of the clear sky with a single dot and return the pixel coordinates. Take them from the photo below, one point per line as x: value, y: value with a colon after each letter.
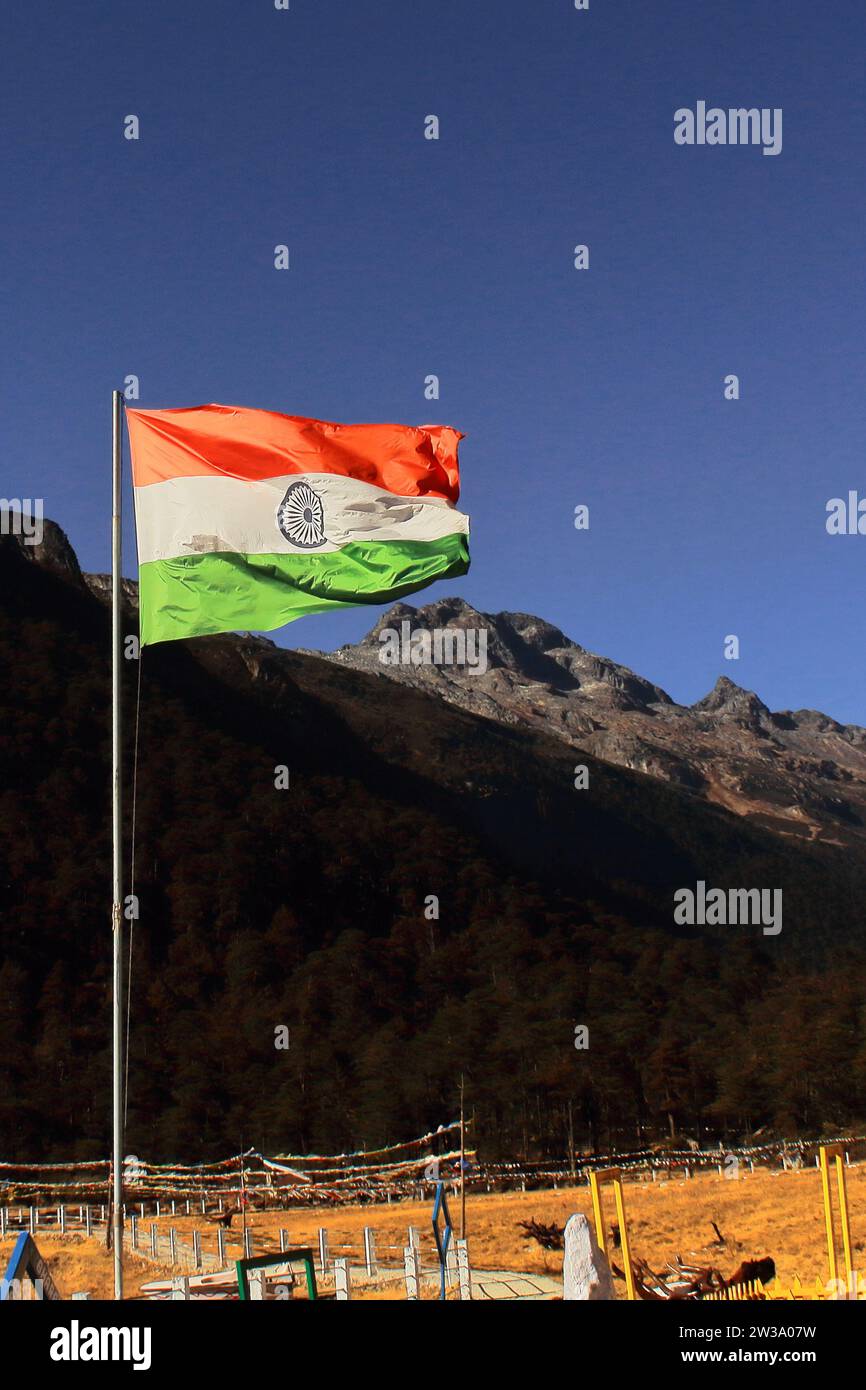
x: 455, y: 257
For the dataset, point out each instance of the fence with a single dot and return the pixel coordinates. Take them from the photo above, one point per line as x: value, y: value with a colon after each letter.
x: 369, y: 1175
x: 367, y: 1261
x: 405, y: 1170
x: 362, y: 1264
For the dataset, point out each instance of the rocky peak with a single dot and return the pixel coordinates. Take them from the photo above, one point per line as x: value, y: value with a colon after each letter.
x: 508, y: 649
x: 54, y: 552
x: 524, y: 649
x: 727, y: 700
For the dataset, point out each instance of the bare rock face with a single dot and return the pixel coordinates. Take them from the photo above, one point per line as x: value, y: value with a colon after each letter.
x: 800, y: 774
x: 586, y: 1275
x: 100, y: 586
x: 53, y: 553
x: 729, y: 701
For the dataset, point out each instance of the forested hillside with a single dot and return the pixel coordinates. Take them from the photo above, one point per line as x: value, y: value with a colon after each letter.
x: 305, y: 907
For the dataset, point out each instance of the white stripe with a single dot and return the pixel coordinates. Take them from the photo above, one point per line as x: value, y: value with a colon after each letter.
x: 198, y: 515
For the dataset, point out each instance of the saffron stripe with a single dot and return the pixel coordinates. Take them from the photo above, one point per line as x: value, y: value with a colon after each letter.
x: 235, y: 442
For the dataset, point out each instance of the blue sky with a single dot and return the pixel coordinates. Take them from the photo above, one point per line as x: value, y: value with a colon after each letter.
x: 455, y: 257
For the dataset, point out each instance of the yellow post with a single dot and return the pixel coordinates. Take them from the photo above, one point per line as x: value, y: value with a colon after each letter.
x: 614, y: 1176
x: 596, y: 1211
x: 828, y: 1215
x: 842, y: 1192
x: 837, y: 1152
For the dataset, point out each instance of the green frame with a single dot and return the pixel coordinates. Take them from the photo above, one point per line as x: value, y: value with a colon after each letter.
x: 303, y: 1254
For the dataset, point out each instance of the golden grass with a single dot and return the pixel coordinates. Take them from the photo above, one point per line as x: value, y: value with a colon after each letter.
x: 80, y: 1263
x: 760, y: 1214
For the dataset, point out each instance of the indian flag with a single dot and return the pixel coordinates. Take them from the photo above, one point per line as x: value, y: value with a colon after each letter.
x: 249, y: 519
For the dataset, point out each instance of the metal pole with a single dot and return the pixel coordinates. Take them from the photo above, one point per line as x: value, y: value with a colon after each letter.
x: 462, y: 1166
x: 242, y: 1201
x: 116, y: 910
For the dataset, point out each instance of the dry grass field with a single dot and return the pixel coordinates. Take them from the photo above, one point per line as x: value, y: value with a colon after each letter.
x: 763, y: 1213
x: 79, y: 1263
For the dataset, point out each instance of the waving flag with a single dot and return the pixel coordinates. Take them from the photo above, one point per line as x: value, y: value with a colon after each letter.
x: 250, y: 519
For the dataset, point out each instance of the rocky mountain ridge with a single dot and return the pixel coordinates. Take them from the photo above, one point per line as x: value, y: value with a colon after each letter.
x: 797, y: 772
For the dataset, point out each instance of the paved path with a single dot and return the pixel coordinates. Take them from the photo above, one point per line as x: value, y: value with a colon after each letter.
x: 505, y: 1284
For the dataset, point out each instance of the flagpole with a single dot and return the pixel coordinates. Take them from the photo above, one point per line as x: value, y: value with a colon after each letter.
x: 462, y: 1165
x: 117, y: 871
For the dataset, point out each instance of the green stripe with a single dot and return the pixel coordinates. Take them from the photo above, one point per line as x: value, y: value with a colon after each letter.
x: 223, y: 592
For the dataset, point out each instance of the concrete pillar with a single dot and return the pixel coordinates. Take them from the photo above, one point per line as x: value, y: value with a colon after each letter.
x: 342, y: 1279
x: 411, y: 1266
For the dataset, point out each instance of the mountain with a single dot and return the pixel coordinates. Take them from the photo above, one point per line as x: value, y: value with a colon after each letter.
x: 797, y: 773
x: 431, y: 896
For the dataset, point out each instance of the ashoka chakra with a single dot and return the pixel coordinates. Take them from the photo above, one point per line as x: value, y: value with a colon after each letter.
x: 301, y: 517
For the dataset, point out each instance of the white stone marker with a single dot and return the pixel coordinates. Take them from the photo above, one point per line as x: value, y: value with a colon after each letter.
x: 463, y: 1270
x: 586, y: 1274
